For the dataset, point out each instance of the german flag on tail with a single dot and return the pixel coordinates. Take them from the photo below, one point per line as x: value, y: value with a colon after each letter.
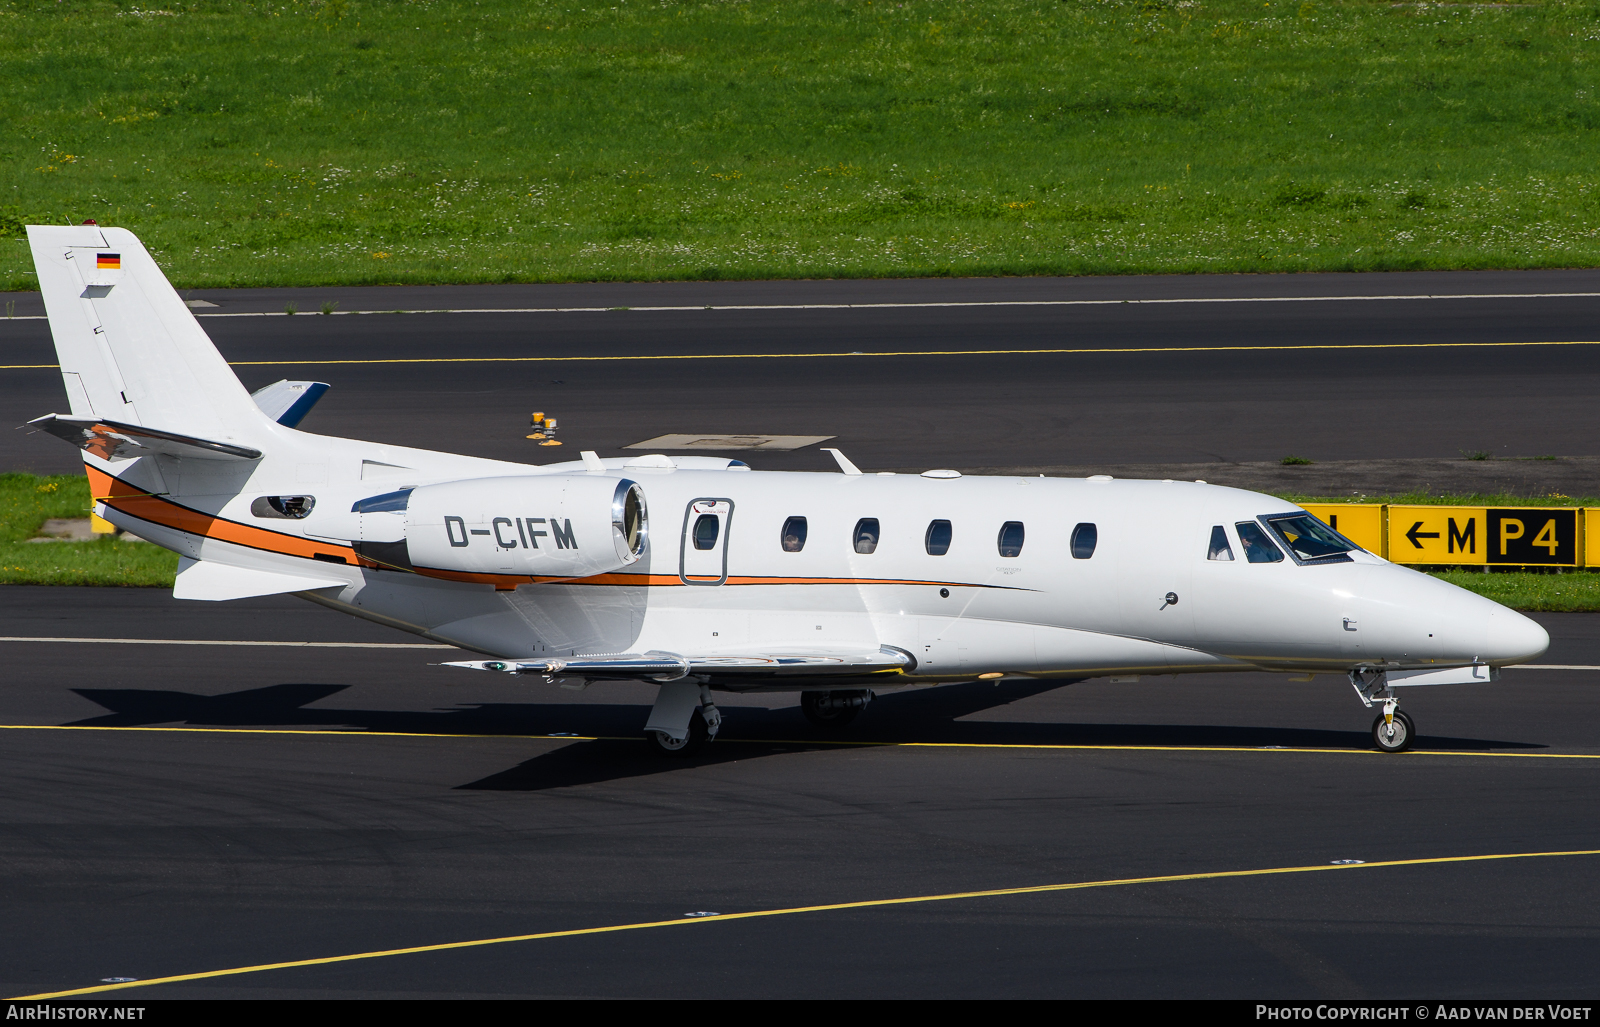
x: 108, y: 261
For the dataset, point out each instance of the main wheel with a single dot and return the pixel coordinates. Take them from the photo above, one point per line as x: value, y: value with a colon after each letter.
x: 831, y: 710
x: 664, y: 745
x: 1395, y: 738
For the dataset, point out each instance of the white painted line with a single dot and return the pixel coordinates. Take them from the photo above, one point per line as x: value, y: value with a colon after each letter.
x: 1551, y: 666
x: 906, y: 306
x: 201, y: 641
x: 952, y: 303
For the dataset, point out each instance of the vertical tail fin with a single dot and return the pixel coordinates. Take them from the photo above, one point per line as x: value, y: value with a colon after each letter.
x: 130, y: 350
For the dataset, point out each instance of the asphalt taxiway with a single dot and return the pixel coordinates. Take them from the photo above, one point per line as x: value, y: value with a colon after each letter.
x: 1017, y: 373
x: 172, y: 810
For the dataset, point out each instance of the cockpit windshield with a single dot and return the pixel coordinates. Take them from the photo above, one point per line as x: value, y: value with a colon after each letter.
x: 1309, y: 539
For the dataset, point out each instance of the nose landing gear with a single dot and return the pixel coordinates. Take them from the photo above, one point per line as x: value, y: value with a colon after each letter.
x: 1393, y: 731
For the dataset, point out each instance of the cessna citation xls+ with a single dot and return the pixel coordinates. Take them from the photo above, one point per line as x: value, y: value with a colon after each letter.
x: 702, y: 575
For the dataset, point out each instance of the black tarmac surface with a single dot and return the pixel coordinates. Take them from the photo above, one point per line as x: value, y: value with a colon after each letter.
x: 335, y: 800
x: 913, y: 412
x: 137, y: 853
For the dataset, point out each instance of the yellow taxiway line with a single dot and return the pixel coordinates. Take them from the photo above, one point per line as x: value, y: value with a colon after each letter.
x: 1038, y: 889
x: 890, y: 353
x: 861, y: 744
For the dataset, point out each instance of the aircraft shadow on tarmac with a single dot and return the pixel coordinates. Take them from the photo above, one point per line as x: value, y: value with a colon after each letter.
x: 923, y: 715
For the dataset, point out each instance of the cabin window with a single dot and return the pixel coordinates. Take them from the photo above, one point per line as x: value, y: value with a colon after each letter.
x: 866, y: 535
x: 1084, y: 539
x: 937, y: 540
x: 1010, y: 540
x: 706, y: 527
x: 793, y: 536
x: 1257, y: 547
x: 1220, y: 549
x: 283, y: 507
x: 1309, y: 539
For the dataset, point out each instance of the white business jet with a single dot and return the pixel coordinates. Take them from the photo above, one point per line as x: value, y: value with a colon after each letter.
x: 702, y: 575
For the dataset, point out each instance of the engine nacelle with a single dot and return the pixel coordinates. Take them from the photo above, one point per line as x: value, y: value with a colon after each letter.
x: 546, y: 526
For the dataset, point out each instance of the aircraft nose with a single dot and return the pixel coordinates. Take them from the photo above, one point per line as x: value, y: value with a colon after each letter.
x: 1509, y: 637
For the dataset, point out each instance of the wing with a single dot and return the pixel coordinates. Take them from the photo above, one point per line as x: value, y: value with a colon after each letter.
x: 793, y: 666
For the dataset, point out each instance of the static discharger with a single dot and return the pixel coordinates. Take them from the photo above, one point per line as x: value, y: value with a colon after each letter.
x: 544, y: 429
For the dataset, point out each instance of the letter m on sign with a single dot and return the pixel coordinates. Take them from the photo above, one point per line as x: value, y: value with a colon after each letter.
x: 1467, y: 540
x: 562, y: 530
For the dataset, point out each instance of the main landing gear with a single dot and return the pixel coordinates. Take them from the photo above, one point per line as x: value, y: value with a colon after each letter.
x: 831, y: 711
x: 1393, y: 731
x: 683, y: 719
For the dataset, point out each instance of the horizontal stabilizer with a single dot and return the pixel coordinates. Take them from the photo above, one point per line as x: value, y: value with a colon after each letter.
x: 218, y: 581
x: 662, y: 666
x: 288, y: 402
x: 115, y: 440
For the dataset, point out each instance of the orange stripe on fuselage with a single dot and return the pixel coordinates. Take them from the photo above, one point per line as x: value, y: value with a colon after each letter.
x: 136, y: 502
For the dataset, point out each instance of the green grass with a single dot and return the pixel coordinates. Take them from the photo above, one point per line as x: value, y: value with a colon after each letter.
x: 363, y: 141
x: 27, y: 501
x: 1571, y: 592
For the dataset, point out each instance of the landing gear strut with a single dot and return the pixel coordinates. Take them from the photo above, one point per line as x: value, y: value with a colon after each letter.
x: 1393, y: 731
x: 833, y: 710
x: 699, y: 734
x: 683, y: 719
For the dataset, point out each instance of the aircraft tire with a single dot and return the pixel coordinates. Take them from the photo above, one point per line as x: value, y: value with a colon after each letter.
x: 1405, y: 732
x: 823, y: 712
x: 661, y: 745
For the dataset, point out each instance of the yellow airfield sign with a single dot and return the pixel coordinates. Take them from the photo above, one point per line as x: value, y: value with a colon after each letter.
x: 1478, y: 535
x: 1467, y: 535
x: 1361, y: 523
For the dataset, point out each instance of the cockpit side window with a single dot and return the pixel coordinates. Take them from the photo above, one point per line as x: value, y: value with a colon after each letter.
x: 1219, y: 549
x: 1257, y: 547
x: 794, y: 534
x: 865, y: 537
x: 1310, y: 540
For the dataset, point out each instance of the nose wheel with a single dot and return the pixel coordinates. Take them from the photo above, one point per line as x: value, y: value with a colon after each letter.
x: 1393, y: 732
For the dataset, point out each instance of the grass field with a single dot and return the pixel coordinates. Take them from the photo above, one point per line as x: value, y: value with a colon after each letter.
x: 27, y: 501
x: 364, y: 141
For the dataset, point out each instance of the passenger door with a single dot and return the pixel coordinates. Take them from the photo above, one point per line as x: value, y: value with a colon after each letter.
x: 703, y: 558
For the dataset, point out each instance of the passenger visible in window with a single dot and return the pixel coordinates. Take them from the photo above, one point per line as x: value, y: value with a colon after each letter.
x: 705, y: 531
x: 794, y: 534
x: 1257, y: 547
x: 1084, y: 538
x: 1010, y: 540
x: 866, y: 535
x: 1220, y: 549
x: 938, y: 538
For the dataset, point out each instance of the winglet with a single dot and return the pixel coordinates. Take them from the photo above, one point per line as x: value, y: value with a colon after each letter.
x: 844, y: 462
